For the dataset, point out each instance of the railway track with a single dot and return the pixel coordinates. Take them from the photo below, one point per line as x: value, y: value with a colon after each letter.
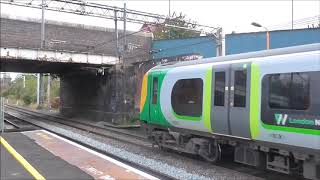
x: 113, y: 133
x: 30, y: 117
x: 11, y: 123
x: 116, y: 134
x: 16, y: 125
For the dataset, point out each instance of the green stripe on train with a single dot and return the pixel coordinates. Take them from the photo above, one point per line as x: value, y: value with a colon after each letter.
x: 254, y: 101
x: 207, y: 100
x: 187, y: 118
x: 292, y: 129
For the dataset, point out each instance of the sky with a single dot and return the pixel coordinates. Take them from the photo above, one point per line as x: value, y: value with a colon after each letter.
x: 231, y: 15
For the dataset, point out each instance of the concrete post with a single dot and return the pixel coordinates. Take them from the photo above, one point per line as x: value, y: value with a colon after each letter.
x: 49, y: 91
x: 24, y: 81
x: 38, y: 89
x: 219, y: 42
x: 268, y: 39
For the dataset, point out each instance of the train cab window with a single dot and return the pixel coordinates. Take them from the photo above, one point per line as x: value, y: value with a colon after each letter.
x: 155, y: 90
x: 240, y: 88
x: 186, y: 97
x: 289, y: 91
x: 219, y: 88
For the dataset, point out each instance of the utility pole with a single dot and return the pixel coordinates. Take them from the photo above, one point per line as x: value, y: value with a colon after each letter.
x: 42, y: 25
x: 169, y: 8
x: 117, y: 74
x: 292, y: 15
x: 116, y: 32
x: 169, y: 18
x: 124, y: 74
x: 40, y: 87
x: 125, y: 27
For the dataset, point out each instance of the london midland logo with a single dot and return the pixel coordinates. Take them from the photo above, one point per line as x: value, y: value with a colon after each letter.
x: 281, y: 119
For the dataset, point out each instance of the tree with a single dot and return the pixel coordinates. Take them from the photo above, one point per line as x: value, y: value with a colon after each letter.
x: 27, y: 90
x: 27, y: 100
x: 171, y: 32
x: 17, y: 91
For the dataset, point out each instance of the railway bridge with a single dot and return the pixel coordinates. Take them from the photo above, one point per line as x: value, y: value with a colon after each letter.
x: 92, y: 72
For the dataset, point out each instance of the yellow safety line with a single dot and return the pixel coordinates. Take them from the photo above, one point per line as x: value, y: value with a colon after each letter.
x: 21, y: 160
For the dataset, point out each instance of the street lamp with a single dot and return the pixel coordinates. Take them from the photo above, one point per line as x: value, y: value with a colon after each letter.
x: 267, y: 31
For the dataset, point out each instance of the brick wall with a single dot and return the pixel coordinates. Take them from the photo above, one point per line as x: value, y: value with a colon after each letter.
x: 71, y: 37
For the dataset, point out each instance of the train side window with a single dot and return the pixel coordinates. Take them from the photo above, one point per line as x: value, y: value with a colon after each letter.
x: 289, y: 91
x: 186, y: 97
x: 155, y: 91
x: 240, y: 88
x: 219, y: 88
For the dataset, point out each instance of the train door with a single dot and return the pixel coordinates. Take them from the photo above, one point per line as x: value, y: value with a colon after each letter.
x: 220, y: 99
x: 239, y: 100
x: 154, y: 100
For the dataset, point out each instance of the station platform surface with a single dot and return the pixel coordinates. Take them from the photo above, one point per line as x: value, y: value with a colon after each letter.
x: 52, y: 157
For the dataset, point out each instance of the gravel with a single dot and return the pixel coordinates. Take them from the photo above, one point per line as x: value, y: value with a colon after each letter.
x: 172, y: 164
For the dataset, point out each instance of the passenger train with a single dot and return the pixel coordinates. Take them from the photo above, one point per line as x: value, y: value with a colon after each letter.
x: 264, y: 106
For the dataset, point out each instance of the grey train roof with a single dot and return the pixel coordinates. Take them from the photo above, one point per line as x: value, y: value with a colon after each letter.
x: 263, y: 53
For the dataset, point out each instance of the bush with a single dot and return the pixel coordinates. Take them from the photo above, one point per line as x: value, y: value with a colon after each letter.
x: 27, y: 99
x: 55, y: 103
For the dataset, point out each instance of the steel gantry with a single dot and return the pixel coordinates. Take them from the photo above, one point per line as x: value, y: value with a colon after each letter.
x: 81, y: 7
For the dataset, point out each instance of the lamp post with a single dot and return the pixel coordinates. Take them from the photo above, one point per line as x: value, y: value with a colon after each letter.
x: 267, y: 32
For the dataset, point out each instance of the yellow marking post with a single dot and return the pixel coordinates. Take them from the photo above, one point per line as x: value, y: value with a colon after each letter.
x: 21, y: 160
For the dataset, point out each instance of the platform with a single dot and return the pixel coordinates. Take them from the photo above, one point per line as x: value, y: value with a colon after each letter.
x: 54, y: 157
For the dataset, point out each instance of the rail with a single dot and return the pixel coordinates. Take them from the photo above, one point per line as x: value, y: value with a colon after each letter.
x: 109, y: 132
x: 28, y: 118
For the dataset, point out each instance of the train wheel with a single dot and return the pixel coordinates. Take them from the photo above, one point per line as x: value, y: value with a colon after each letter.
x: 211, y: 153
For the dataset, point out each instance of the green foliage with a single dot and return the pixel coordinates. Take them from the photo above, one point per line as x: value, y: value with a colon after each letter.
x: 28, y: 93
x: 17, y: 91
x: 31, y: 88
x: 5, y: 93
x: 27, y: 99
x: 55, y: 88
x: 168, y: 32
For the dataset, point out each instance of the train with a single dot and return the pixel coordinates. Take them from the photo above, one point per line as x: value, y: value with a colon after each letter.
x: 263, y: 107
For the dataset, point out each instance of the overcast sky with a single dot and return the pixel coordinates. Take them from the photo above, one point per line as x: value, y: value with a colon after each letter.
x: 230, y: 15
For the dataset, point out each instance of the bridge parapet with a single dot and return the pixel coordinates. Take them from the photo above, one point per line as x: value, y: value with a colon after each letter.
x: 56, y: 56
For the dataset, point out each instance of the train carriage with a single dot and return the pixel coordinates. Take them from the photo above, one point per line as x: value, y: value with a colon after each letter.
x: 265, y: 106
